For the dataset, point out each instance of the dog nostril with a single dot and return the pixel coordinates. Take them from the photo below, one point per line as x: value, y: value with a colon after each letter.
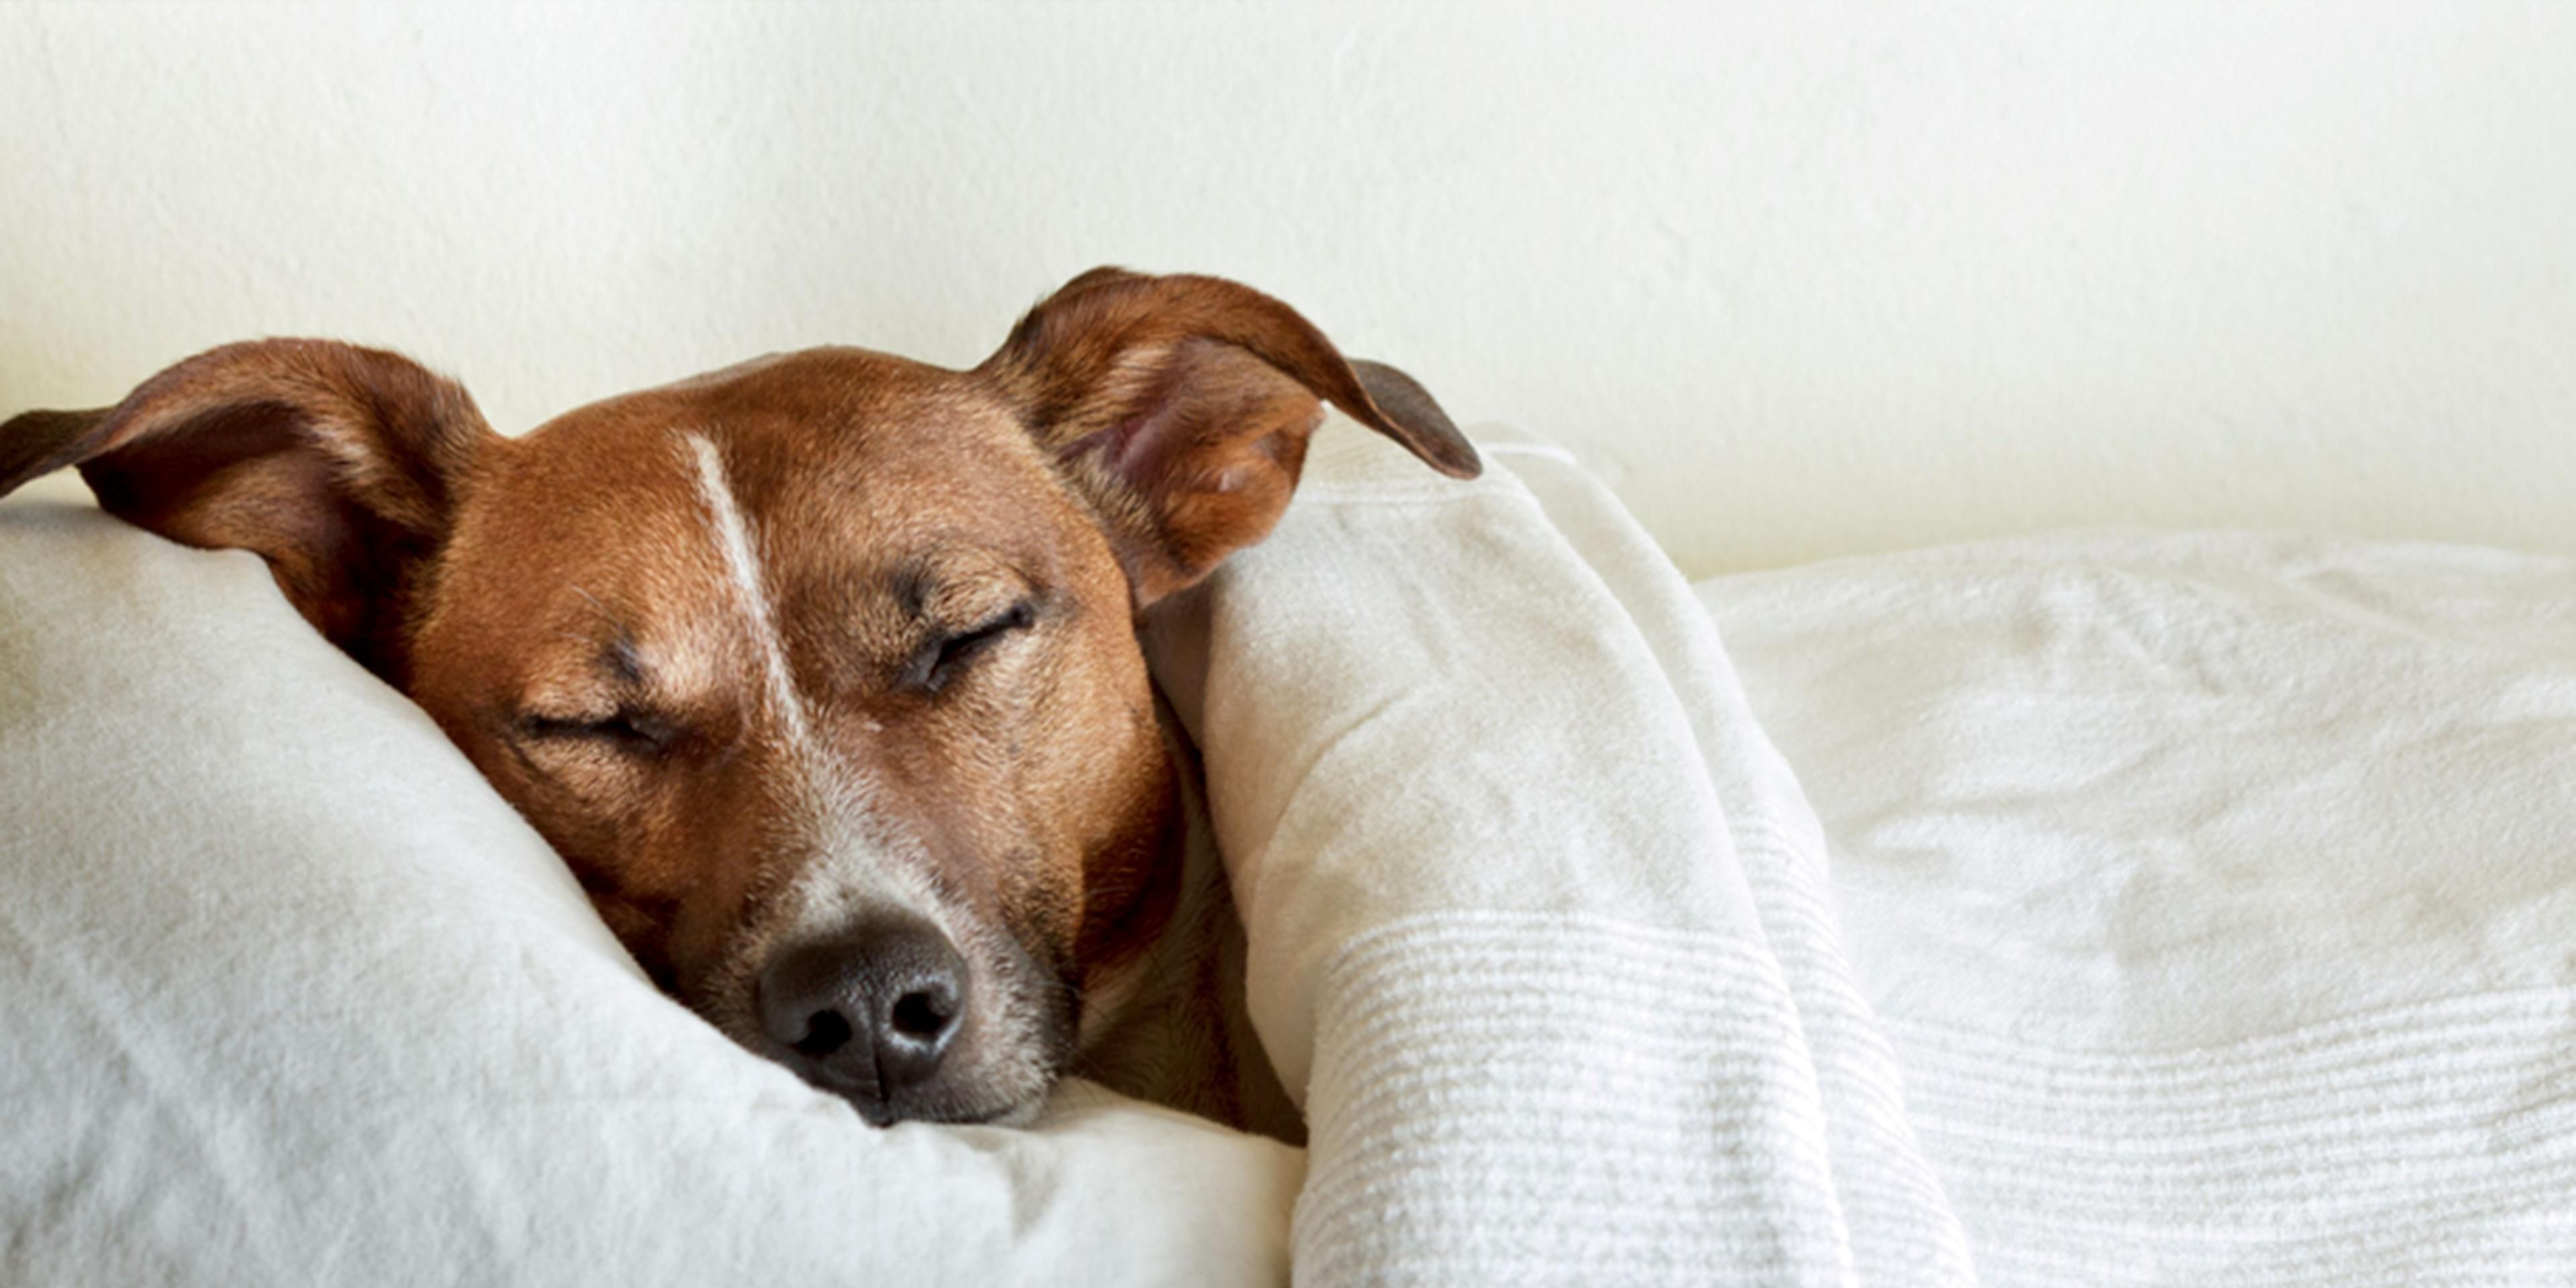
x: 825, y: 1033
x: 871, y: 1012
x: 922, y: 1015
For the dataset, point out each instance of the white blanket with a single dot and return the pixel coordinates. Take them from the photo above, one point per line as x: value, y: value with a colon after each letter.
x: 1538, y: 919
x: 2095, y: 910
x: 2212, y: 900
x: 2217, y: 893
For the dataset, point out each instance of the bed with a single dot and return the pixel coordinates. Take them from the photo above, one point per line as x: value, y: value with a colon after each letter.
x: 2105, y: 908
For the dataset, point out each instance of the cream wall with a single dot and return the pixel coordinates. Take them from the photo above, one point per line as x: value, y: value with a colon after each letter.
x: 1801, y: 279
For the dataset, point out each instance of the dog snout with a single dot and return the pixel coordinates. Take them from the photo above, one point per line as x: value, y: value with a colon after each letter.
x: 870, y: 1012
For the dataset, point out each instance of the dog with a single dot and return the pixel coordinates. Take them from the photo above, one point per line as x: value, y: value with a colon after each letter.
x: 820, y: 671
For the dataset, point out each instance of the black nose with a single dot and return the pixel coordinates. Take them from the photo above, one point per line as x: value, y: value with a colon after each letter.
x: 869, y: 1012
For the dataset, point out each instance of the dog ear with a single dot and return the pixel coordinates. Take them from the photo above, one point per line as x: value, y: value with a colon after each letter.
x: 1181, y: 407
x: 338, y: 465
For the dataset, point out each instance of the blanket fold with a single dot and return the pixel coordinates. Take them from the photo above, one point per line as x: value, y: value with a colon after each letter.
x: 2111, y: 909
x: 1537, y: 919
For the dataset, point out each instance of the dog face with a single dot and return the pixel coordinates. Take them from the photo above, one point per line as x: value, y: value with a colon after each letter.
x: 819, y: 671
x: 821, y: 649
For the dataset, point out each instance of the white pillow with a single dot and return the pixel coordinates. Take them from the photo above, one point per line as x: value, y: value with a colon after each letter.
x: 290, y: 995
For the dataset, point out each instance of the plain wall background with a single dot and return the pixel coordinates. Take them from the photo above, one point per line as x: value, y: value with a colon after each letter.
x: 1799, y: 279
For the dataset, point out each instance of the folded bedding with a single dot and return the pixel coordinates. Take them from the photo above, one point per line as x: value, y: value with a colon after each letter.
x: 2216, y: 893
x: 2118, y: 909
x: 2106, y: 909
x: 1537, y: 919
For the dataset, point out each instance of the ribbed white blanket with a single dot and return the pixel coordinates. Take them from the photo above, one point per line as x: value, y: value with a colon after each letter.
x: 1539, y: 920
x: 2211, y: 901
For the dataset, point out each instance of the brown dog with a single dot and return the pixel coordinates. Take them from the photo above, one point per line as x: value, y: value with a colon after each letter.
x: 821, y: 671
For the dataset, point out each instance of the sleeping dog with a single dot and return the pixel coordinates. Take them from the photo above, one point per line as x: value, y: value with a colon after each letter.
x: 820, y: 671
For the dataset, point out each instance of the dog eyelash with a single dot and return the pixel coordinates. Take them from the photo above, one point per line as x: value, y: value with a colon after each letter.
x: 626, y: 730
x: 946, y: 657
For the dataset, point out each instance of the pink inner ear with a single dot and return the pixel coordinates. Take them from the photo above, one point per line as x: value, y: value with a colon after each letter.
x: 1150, y: 449
x: 1150, y: 446
x: 1120, y: 446
x: 1214, y: 419
x: 1201, y: 463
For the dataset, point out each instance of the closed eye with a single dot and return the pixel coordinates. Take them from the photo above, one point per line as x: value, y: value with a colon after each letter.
x: 628, y: 731
x: 948, y: 656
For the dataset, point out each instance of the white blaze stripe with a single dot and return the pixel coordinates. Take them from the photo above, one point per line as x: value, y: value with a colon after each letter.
x: 859, y: 865
x: 742, y: 565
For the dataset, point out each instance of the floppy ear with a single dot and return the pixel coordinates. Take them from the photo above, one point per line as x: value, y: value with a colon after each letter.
x: 1181, y: 406
x: 339, y: 465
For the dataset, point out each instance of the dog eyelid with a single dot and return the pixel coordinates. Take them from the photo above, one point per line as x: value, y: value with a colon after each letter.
x: 945, y: 656
x: 625, y: 730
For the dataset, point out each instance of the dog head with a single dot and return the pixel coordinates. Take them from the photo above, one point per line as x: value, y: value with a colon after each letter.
x: 820, y: 671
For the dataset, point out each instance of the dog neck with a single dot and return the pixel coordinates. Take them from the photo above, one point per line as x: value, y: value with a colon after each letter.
x: 1166, y: 1020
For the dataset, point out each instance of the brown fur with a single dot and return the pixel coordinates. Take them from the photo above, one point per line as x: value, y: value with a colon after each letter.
x: 556, y: 603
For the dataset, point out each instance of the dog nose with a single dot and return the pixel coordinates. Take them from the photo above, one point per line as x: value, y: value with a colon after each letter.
x: 869, y: 1012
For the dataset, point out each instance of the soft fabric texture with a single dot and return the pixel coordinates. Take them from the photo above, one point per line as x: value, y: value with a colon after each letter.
x: 2112, y: 909
x: 289, y: 995
x: 1538, y: 918
x: 2217, y: 893
x: 2210, y: 900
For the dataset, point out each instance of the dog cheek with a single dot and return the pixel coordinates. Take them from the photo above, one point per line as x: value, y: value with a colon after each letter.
x: 1106, y: 779
x: 644, y: 934
x: 1041, y: 848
